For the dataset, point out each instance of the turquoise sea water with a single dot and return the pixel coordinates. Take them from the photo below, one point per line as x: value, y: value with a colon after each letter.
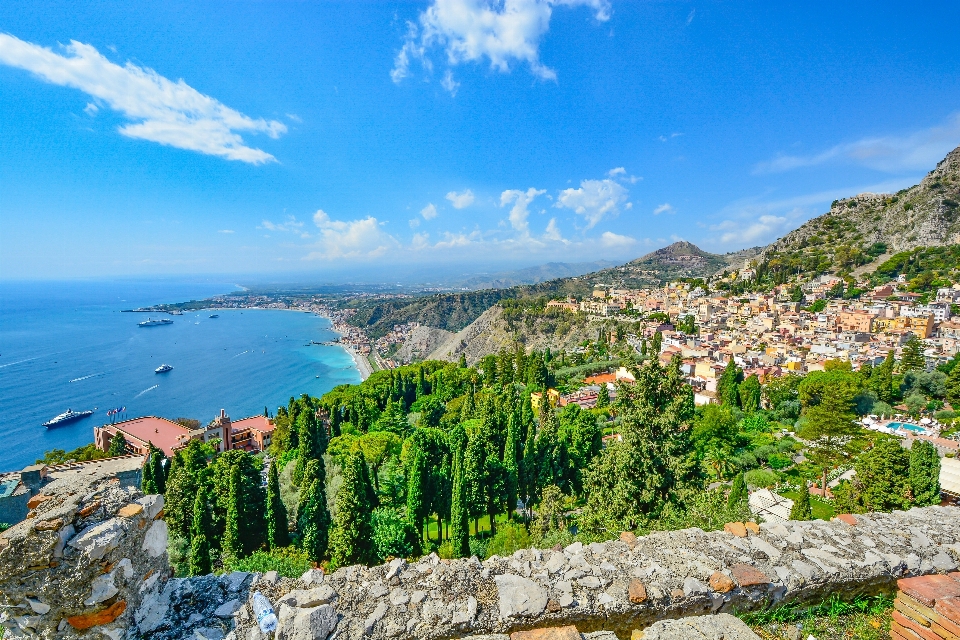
x: 67, y: 345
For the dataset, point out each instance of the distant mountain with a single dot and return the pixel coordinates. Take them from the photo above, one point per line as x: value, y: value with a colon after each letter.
x: 871, y: 226
x: 678, y: 260
x: 533, y: 275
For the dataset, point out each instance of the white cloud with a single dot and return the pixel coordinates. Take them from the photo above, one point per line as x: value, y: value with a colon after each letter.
x: 461, y: 200
x: 429, y: 212
x: 762, y: 227
x: 420, y: 241
x: 594, y: 200
x: 449, y: 83
x: 414, y: 223
x: 666, y: 207
x: 614, y: 240
x: 226, y: 231
x: 159, y: 110
x: 552, y: 233
x: 501, y: 31
x: 521, y: 201
x: 920, y: 150
x: 616, y: 172
x: 91, y: 109
x: 690, y: 17
x: 290, y: 225
x: 354, y: 239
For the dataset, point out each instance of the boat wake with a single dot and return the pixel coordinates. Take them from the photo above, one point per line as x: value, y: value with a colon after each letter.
x: 241, y: 353
x: 145, y: 390
x: 92, y: 375
x: 10, y: 364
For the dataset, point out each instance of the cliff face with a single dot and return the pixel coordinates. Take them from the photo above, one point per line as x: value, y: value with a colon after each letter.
x: 926, y: 214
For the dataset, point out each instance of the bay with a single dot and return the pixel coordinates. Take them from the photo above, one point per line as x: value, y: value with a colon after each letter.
x: 68, y: 345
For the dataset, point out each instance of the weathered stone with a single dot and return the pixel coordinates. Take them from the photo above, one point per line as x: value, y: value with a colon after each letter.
x: 208, y: 633
x: 306, y: 598
x: 465, y: 610
x: 736, y: 528
x: 152, y: 506
x: 752, y: 527
x: 312, y: 577
x: 721, y: 583
x: 96, y: 541
x: 103, y: 589
x: 38, y: 607
x: 375, y: 617
x: 548, y: 633
x: 748, y: 576
x: 636, y: 592
x: 37, y: 500
x: 590, y: 582
x: 89, y: 509
x: 155, y: 542
x: 227, y: 609
x: 722, y: 625
x: 848, y: 518
x: 629, y: 538
x: 131, y: 510
x: 49, y: 525
x: 306, y: 624
x: 519, y: 596
x: 105, y: 616
x: 693, y: 587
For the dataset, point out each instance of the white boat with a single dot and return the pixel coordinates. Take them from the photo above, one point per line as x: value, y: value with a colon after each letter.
x: 163, y: 368
x: 67, y: 416
x: 149, y: 322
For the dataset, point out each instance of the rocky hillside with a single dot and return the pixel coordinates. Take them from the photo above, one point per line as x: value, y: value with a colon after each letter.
x: 679, y: 260
x: 870, y: 226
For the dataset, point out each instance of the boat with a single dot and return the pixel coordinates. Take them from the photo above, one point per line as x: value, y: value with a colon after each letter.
x: 149, y: 322
x: 163, y: 368
x: 67, y: 416
x: 214, y: 316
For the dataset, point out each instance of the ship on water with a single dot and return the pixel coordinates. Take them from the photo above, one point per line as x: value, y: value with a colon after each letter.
x: 150, y: 322
x: 214, y: 316
x: 67, y: 416
x: 163, y: 368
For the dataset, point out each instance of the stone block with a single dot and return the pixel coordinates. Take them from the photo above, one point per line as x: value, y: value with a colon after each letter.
x: 629, y: 538
x: 949, y: 608
x: 130, y: 510
x: 849, y: 518
x: 519, y: 596
x: 748, y: 576
x: 152, y: 506
x: 155, y: 542
x: 722, y: 625
x: 929, y: 589
x: 104, y: 616
x: 752, y: 527
x: 37, y: 500
x: 548, y: 633
x: 736, y: 528
x: 721, y: 583
x: 637, y: 592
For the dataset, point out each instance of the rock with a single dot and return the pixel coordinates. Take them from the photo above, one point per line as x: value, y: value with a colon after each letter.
x: 37, y: 500
x: 565, y: 600
x: 519, y: 596
x: 306, y: 624
x: 130, y: 510
x: 105, y: 616
x: 270, y: 577
x: 208, y: 633
x: 38, y: 607
x: 605, y: 599
x: 629, y: 538
x: 693, y: 587
x: 752, y: 527
x: 556, y: 562
x: 103, y: 589
x: 307, y: 598
x: 636, y: 592
x: 155, y: 542
x: 465, y: 610
x: 235, y: 580
x: 748, y: 576
x: 590, y: 582
x: 713, y: 627
x: 152, y: 505
x: 97, y: 540
x: 312, y: 577
x: 227, y: 609
x: 849, y: 518
x: 765, y: 547
x: 394, y: 568
x: 736, y: 528
x: 64, y: 535
x: 548, y: 633
x: 375, y: 617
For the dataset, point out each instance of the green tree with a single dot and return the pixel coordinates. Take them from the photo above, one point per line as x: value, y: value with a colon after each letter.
x: 147, y: 484
x: 278, y: 534
x: 393, y: 535
x: 830, y: 427
x: 183, y: 484
x: 158, y: 473
x: 249, y: 502
x: 418, y: 502
x: 882, y: 482
x: 801, y: 509
x: 511, y: 464
x: 749, y: 393
x: 351, y: 537
x: 912, y: 358
x: 459, y: 508
x: 474, y: 476
x: 313, y: 518
x: 656, y: 343
x: 953, y: 388
x: 200, y: 533
x: 118, y: 446
x: 715, y: 427
x: 729, y: 384
x: 924, y: 473
x: 738, y: 492
x: 630, y: 483
x: 232, y: 545
x: 881, y: 378
x: 603, y: 396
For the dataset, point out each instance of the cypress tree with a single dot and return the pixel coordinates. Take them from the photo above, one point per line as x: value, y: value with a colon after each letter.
x: 118, y: 446
x: 313, y: 520
x: 158, y: 474
x: 421, y: 384
x: 749, y: 393
x: 953, y: 387
x: 510, y: 463
x: 417, y: 500
x: 729, y: 383
x: 351, y: 538
x: 200, y: 534
x: 801, y: 508
x: 309, y: 444
x: 459, y: 514
x: 912, y: 358
x: 462, y: 363
x: 232, y: 545
x: 924, y: 473
x: 147, y: 484
x: 278, y: 534
x: 528, y: 469
x: 473, y: 477
x: 603, y: 396
x: 738, y: 492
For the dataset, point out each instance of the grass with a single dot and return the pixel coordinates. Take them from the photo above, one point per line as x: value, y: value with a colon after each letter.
x: 821, y: 510
x: 834, y: 619
x: 484, y: 526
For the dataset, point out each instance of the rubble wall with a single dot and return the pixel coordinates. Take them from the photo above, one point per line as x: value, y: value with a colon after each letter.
x: 90, y: 562
x: 80, y: 563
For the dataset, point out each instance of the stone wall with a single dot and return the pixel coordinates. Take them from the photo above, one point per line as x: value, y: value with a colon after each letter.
x: 90, y: 562
x: 81, y: 562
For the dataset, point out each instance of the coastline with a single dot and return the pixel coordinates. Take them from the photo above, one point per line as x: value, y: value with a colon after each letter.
x: 363, y: 365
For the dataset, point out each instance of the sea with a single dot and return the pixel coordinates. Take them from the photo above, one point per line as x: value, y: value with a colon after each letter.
x: 69, y: 345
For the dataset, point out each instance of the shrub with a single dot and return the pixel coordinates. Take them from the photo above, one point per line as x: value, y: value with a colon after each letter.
x: 478, y: 547
x: 393, y: 535
x: 779, y: 461
x: 289, y: 562
x: 510, y: 537
x: 760, y: 478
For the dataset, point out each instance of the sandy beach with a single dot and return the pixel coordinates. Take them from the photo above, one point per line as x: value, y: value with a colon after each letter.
x: 363, y: 365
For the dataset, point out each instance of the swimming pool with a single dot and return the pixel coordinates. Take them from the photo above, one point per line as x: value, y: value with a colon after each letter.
x: 907, y: 426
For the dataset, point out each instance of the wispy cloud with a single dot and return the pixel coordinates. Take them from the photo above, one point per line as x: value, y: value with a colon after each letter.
x: 159, y: 110
x: 362, y: 238
x: 461, y: 200
x: 614, y: 240
x: 521, y: 201
x: 429, y: 212
x: 290, y: 225
x: 504, y: 32
x: 920, y: 150
x: 226, y: 231
x: 666, y: 207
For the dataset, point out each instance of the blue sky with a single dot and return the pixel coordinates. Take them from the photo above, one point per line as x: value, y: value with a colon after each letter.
x: 323, y: 139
